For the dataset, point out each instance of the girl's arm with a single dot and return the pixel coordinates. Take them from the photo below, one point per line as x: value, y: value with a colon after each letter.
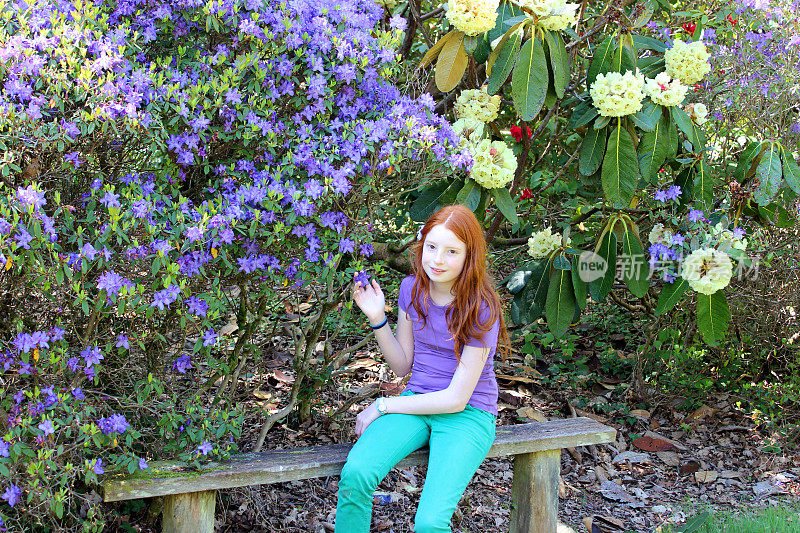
x: 454, y: 398
x: 397, y: 350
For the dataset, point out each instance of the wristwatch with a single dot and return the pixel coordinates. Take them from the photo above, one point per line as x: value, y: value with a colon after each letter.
x: 380, y: 405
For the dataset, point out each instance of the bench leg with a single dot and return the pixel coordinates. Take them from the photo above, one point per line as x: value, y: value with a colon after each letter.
x: 534, y: 492
x: 192, y: 512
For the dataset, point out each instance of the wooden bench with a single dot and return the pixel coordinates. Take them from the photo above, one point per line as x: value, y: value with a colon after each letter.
x: 190, y: 495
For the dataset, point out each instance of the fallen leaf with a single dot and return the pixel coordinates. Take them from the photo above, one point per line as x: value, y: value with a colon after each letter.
x: 640, y: 413
x: 767, y: 488
x: 706, y: 476
x: 280, y: 376
x: 521, y: 379
x: 654, y: 435
x: 702, y: 412
x: 669, y: 458
x: 262, y: 395
x: 615, y: 492
x: 689, y: 467
x: 650, y: 444
x: 730, y: 474
x: 633, y: 457
x: 533, y: 414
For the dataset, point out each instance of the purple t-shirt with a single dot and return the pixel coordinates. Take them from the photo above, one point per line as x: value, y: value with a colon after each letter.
x: 434, y: 352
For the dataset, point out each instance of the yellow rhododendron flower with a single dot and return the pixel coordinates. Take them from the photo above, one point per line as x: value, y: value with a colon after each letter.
x: 542, y: 243
x: 664, y: 90
x: 617, y: 95
x: 477, y: 104
x: 473, y: 17
x: 698, y: 112
x: 660, y: 235
x: 687, y: 61
x: 707, y: 270
x: 561, y: 18
x: 493, y: 164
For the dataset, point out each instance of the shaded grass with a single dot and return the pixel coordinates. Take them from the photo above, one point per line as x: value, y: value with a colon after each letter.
x: 769, y: 520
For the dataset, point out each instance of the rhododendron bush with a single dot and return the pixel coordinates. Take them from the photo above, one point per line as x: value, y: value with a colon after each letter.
x: 175, y: 175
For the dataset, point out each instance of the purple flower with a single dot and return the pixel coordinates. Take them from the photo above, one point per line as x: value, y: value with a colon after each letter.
x: 12, y: 494
x: 56, y: 334
x: 78, y: 393
x: 197, y: 306
x: 182, y: 364
x: 362, y: 278
x: 122, y: 342
x: 47, y: 427
x: 205, y: 448
x: 678, y: 239
x: 4, y: 449
x: 73, y: 364
x: 209, y: 338
x: 74, y: 158
x: 143, y: 464
x: 110, y: 199
x: 24, y: 238
x: 674, y: 192
x: 669, y: 277
x: 738, y: 233
x: 113, y: 424
x: 97, y: 467
x: 92, y: 355
x: 194, y: 233
x: 661, y: 196
x: 695, y: 215
x: 398, y: 23
x: 111, y: 282
x: 88, y: 251
x: 366, y: 250
x: 346, y: 246
x: 162, y: 299
x: 31, y: 196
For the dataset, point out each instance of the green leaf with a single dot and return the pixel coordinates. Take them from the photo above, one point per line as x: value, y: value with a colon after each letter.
x: 620, y: 172
x: 518, y: 279
x: 746, y: 160
x: 592, y: 150
x: 791, y: 171
x: 653, y: 150
x: 770, y: 174
x: 648, y: 116
x: 505, y: 58
x: 694, y: 134
x: 601, y: 60
x: 531, y: 300
x: 428, y: 200
x: 672, y: 138
x: 529, y: 81
x: 582, y: 114
x: 505, y: 204
x: 713, y: 315
x: 622, y: 60
x: 648, y: 43
x: 694, y: 523
x: 671, y: 295
x: 601, y: 122
x: 452, y: 64
x: 560, y: 305
x: 635, y: 268
x: 484, y: 48
x: 703, y: 184
x: 505, y: 11
x: 561, y: 262
x: 600, y: 287
x: 578, y: 284
x: 559, y: 61
x: 469, y: 185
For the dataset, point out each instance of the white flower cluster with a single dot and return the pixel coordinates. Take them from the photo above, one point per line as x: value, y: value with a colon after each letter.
x: 473, y: 17
x: 469, y: 130
x: 660, y: 234
x: 477, y: 104
x: 687, y: 61
x: 707, y: 270
x: 723, y: 234
x: 542, y: 243
x: 664, y: 90
x: 493, y: 164
x: 698, y: 112
x: 616, y: 95
x: 554, y: 15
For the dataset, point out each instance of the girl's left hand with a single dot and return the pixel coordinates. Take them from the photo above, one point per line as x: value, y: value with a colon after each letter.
x: 365, y: 418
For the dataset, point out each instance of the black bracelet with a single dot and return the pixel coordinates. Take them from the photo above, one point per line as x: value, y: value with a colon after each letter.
x: 379, y: 326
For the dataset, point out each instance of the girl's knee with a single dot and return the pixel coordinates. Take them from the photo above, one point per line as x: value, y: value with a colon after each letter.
x: 431, y: 522
x: 358, y: 476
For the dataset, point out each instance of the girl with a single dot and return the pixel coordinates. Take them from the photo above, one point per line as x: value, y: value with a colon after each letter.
x: 449, y: 321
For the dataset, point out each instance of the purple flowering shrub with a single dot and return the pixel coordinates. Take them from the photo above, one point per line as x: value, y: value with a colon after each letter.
x: 185, y: 171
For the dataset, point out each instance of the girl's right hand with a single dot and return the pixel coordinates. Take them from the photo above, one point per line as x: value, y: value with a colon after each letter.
x: 370, y: 300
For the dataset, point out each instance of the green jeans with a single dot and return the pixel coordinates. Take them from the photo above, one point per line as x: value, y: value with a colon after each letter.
x: 458, y: 444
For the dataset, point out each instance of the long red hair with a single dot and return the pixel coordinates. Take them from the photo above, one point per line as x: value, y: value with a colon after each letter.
x: 473, y: 288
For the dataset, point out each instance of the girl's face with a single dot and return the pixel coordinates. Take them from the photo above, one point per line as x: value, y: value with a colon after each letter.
x: 443, y: 256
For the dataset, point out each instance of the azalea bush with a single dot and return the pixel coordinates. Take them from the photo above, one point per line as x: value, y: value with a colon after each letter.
x: 183, y: 175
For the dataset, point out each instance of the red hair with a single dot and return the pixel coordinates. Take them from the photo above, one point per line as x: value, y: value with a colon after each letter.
x: 474, y: 286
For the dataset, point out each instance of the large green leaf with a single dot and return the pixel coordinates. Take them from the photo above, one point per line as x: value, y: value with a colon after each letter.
x: 482, y: 51
x: 560, y: 305
x: 695, y: 135
x: 518, y: 279
x: 506, y: 204
x: 671, y: 295
x: 431, y: 198
x: 592, y: 150
x: 713, y: 316
x: 505, y: 11
x: 653, y: 149
x: 601, y: 60
x: 703, y: 184
x: 530, y: 79
x: 582, y: 114
x: 452, y: 64
x: 531, y: 300
x: 746, y: 160
x: 620, y: 172
x: 770, y: 174
x: 559, y: 61
x: 635, y: 268
x: 791, y: 171
x: 578, y: 284
x: 622, y: 60
x: 503, y: 58
x: 648, y: 43
x: 672, y: 137
x: 600, y: 287
x: 648, y: 116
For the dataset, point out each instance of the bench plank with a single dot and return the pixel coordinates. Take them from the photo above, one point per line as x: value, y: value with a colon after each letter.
x: 294, y: 464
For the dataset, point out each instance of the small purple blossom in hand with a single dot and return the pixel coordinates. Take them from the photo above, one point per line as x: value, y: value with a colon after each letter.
x: 362, y: 278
